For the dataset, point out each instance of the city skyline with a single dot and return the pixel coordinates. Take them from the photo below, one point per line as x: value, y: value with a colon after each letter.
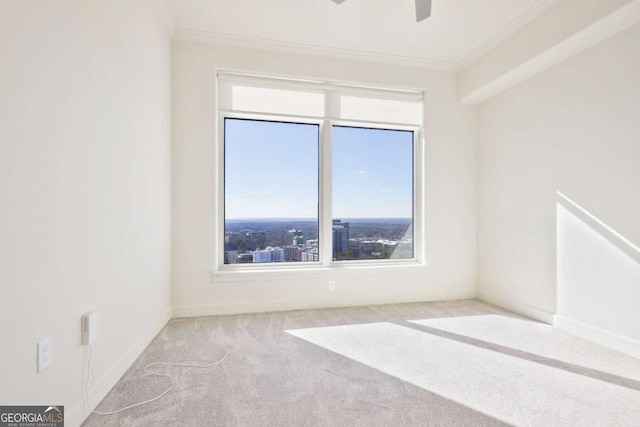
x: 293, y: 219
x: 250, y: 241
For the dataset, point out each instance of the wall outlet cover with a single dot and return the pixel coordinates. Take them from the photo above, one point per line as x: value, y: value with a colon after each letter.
x: 45, y: 353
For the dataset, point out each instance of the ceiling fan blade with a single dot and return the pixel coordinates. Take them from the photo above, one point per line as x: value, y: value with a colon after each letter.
x: 423, y: 9
x: 338, y: 1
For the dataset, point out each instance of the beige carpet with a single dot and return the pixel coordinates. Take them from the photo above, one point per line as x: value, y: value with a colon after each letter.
x: 453, y: 363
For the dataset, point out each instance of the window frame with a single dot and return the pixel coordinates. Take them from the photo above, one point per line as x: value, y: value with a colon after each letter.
x: 220, y: 199
x: 416, y: 182
x: 325, y: 195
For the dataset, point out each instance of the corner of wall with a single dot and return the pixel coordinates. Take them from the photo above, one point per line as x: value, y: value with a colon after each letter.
x: 104, y: 383
x: 517, y: 307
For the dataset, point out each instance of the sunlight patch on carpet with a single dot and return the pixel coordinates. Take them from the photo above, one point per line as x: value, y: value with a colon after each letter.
x: 511, y: 389
x: 540, y: 339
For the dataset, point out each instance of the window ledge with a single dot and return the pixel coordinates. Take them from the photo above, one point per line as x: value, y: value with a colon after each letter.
x: 348, y: 269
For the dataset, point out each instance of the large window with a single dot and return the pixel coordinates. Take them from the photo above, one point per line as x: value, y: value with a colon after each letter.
x: 270, y: 191
x: 372, y: 199
x: 317, y: 174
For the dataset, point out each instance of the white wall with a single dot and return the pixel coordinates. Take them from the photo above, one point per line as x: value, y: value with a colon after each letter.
x: 84, y: 191
x: 450, y: 193
x: 598, y: 279
x: 574, y: 129
x: 566, y: 28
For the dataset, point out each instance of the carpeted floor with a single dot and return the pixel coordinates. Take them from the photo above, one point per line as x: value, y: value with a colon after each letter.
x: 451, y: 363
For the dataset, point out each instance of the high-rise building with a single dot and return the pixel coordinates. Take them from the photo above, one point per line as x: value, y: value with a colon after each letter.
x: 296, y: 237
x: 340, y: 236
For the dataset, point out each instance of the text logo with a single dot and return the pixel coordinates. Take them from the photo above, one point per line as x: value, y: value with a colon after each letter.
x: 32, y: 416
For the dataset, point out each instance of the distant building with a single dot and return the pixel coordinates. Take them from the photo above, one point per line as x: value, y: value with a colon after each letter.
x: 295, y: 237
x: 230, y: 254
x: 370, y: 247
x: 340, y: 236
x: 268, y: 254
x: 292, y: 253
x: 245, y: 258
x: 261, y: 256
x: 277, y: 255
x: 309, y: 255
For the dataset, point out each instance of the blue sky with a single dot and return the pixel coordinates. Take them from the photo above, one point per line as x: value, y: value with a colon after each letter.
x: 271, y: 171
x: 372, y: 173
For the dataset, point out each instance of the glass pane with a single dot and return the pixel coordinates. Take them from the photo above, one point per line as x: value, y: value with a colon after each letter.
x: 380, y: 110
x: 372, y: 194
x: 270, y: 191
x: 277, y: 101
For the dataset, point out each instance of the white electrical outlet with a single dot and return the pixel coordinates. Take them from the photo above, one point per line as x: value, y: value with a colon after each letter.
x: 45, y: 353
x: 332, y: 285
x: 89, y: 326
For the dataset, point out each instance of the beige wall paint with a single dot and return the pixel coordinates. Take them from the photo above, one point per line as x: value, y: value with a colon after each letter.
x: 573, y: 128
x: 85, y: 198
x: 450, y: 192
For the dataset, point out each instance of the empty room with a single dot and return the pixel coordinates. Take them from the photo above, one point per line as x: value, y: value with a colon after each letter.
x: 319, y: 212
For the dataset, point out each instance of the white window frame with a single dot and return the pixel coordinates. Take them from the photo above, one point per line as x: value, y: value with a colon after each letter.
x: 220, y: 192
x: 325, y: 214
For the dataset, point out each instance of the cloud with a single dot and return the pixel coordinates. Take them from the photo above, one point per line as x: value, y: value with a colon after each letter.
x: 362, y: 172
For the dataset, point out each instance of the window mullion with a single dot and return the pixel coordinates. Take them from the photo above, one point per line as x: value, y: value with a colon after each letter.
x: 326, y: 246
x: 418, y: 190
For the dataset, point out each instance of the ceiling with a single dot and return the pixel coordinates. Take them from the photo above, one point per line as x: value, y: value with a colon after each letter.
x: 458, y: 31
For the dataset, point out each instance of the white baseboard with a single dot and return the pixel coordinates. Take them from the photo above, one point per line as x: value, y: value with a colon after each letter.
x: 196, y: 310
x: 77, y: 413
x: 606, y: 338
x: 517, y: 307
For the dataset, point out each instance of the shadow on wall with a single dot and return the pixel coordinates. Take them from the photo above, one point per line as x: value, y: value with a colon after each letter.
x: 598, y: 278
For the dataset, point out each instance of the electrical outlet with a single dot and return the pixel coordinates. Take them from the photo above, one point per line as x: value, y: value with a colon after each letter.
x: 45, y: 353
x: 332, y: 285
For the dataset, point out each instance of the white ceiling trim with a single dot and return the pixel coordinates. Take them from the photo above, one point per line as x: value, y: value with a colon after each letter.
x: 505, y: 32
x: 223, y: 39
x: 306, y: 49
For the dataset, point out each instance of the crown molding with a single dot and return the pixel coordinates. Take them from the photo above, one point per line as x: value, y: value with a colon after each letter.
x: 164, y: 13
x: 223, y: 39
x: 505, y: 32
x: 307, y: 49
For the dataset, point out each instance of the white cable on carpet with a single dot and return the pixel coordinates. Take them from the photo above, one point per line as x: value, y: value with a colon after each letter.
x: 146, y: 369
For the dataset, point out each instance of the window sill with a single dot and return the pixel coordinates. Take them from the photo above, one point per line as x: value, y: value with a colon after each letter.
x: 343, y: 269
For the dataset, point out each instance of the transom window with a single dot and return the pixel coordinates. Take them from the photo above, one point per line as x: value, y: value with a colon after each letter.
x: 312, y: 173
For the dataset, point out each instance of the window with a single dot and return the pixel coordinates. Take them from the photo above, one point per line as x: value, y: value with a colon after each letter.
x: 270, y: 191
x: 372, y: 193
x: 313, y: 173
